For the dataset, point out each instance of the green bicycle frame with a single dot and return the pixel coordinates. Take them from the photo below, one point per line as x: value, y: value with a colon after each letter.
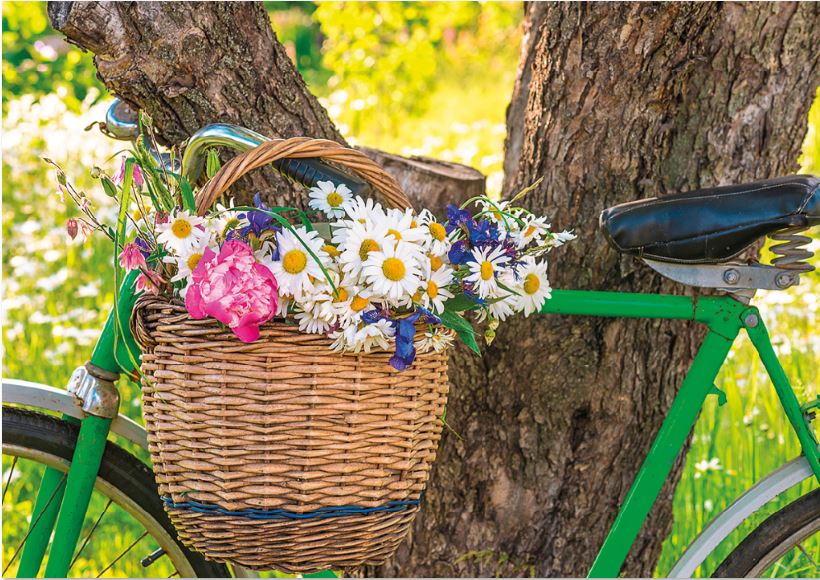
x: 723, y: 316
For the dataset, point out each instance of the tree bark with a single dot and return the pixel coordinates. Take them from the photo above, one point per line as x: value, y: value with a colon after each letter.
x: 615, y: 102
x: 188, y: 64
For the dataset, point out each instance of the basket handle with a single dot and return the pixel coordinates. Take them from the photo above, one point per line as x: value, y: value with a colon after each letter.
x: 301, y: 148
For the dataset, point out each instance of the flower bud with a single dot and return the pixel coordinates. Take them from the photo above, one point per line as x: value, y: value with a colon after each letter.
x: 95, y: 172
x: 71, y: 227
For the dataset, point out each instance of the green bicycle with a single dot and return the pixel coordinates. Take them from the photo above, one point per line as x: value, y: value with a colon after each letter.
x: 690, y: 238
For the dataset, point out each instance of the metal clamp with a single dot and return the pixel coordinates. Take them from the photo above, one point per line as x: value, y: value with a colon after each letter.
x: 730, y: 277
x: 94, y: 391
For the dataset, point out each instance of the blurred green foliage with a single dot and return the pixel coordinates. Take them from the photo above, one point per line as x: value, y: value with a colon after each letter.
x: 37, y: 61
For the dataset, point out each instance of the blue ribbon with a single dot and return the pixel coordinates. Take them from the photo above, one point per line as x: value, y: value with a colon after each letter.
x: 279, y: 514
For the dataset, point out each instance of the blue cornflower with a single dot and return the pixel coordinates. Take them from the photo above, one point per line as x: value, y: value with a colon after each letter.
x: 258, y: 221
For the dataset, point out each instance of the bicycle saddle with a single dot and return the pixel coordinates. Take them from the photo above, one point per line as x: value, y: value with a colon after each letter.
x: 712, y: 225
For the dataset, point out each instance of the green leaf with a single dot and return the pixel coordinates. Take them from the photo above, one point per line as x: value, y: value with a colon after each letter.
x: 188, y: 200
x: 108, y: 186
x: 460, y: 303
x: 463, y: 328
x: 212, y: 163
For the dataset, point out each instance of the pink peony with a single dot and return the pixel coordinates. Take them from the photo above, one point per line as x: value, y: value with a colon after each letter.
x: 136, y: 177
x: 131, y: 258
x: 233, y: 288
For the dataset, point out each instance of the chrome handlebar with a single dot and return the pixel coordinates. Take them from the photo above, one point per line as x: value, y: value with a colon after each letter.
x: 121, y: 123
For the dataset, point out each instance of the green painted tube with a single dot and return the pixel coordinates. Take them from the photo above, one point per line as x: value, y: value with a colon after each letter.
x: 78, y: 489
x: 760, y: 339
x: 620, y: 304
x: 665, y: 449
x: 49, y: 499
x: 116, y: 350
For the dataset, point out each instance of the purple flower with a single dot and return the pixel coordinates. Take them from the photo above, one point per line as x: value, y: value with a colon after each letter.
x: 459, y: 252
x: 482, y: 232
x: 258, y: 221
x: 457, y: 218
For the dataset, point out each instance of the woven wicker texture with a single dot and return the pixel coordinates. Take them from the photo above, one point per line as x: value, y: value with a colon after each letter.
x: 284, y: 423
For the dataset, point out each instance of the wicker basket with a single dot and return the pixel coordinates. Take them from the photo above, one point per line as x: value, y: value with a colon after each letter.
x: 281, y: 453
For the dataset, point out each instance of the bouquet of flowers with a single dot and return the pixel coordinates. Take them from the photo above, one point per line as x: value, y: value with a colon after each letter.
x: 362, y: 274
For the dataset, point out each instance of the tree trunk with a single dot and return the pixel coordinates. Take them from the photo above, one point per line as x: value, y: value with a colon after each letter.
x: 615, y: 101
x: 188, y: 64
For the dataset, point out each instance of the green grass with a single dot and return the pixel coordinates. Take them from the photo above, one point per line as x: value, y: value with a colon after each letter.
x: 56, y: 296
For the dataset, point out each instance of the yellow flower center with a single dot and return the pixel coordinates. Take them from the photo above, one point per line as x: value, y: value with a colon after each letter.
x: 367, y: 247
x: 393, y: 269
x: 437, y: 231
x: 486, y: 270
x: 394, y: 233
x: 334, y: 199
x: 414, y: 224
x: 432, y: 289
x: 294, y: 261
x: 531, y: 284
x: 331, y: 250
x: 436, y: 263
x: 181, y: 228
x: 193, y: 260
x: 417, y: 296
x: 358, y: 303
x: 341, y: 295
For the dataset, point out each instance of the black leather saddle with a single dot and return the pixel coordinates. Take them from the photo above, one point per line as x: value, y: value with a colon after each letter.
x: 712, y: 225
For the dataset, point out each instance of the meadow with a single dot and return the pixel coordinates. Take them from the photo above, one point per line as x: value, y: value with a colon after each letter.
x: 56, y: 293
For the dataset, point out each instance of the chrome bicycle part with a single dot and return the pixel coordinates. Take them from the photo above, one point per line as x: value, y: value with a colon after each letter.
x: 94, y: 391
x: 218, y: 134
x: 792, y: 251
x: 121, y: 121
x: 730, y: 277
x: 744, y: 507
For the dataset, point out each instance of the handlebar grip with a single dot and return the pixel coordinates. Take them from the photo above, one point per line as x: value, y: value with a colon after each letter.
x: 308, y: 172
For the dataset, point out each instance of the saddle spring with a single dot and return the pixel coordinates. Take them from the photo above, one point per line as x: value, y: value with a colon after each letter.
x: 792, y: 252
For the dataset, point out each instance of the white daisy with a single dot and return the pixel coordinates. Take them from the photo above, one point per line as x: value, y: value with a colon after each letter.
x: 533, y: 230
x: 311, y: 323
x: 561, y: 238
x: 296, y: 269
x: 360, y: 241
x: 500, y: 213
x: 224, y: 219
x: 485, y: 268
x: 533, y: 287
x: 364, y: 211
x: 393, y: 272
x: 436, y: 241
x: 500, y: 306
x: 186, y: 262
x: 363, y: 337
x: 182, y: 232
x: 402, y: 226
x: 329, y: 198
x: 436, y: 339
x: 434, y: 293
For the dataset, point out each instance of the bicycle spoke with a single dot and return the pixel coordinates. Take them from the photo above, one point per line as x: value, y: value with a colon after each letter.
x: 8, y: 481
x: 806, y: 554
x: 32, y: 526
x: 118, y: 558
x: 88, y: 537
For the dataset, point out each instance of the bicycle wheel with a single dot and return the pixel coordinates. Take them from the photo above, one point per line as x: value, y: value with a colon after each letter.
x: 785, y: 545
x: 126, y: 532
